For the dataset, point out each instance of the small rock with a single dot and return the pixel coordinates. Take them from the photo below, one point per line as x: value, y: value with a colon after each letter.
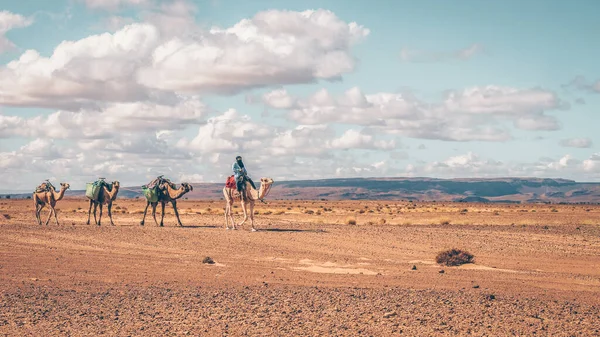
x: 476, y: 286
x: 208, y: 260
x: 490, y: 297
x: 442, y: 271
x: 389, y: 314
x: 414, y: 267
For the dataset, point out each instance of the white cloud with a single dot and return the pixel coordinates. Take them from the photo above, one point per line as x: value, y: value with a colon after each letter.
x: 576, y: 142
x: 476, y: 113
x: 581, y: 83
x: 278, y: 99
x: 149, y: 60
x: 418, y: 56
x: 113, y: 5
x: 112, y: 121
x: 10, y: 21
x: 352, y: 139
x: 274, y: 47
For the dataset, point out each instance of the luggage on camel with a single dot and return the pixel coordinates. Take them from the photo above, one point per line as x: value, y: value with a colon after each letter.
x: 230, y: 183
x: 92, y: 190
x: 151, y: 190
x: 45, y: 187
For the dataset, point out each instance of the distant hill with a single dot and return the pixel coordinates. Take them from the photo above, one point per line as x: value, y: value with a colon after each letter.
x: 516, y: 190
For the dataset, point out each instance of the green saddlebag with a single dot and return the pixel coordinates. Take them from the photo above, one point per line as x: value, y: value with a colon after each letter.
x: 92, y: 190
x: 151, y: 193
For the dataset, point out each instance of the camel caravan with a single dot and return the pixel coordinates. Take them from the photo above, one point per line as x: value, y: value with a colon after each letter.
x: 238, y: 188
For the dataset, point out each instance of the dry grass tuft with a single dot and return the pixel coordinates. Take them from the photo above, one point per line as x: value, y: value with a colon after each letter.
x: 208, y: 260
x: 454, y: 257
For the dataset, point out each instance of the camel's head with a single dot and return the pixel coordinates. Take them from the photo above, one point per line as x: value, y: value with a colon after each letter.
x: 265, y: 186
x: 65, y: 185
x: 187, y: 187
x: 116, y: 183
x: 268, y: 181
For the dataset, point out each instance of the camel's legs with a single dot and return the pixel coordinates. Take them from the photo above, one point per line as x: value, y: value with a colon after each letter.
x: 162, y: 213
x: 100, y: 218
x: 226, y: 214
x: 145, y: 210
x: 55, y: 216
x: 49, y: 215
x: 95, y: 208
x: 110, y: 213
x: 38, y: 210
x: 90, y: 211
x: 252, y: 215
x: 154, y: 204
x: 245, y: 213
x: 229, y: 215
x: 174, y: 203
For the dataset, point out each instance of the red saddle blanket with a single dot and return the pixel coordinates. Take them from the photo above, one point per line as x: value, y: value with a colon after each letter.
x: 230, y: 183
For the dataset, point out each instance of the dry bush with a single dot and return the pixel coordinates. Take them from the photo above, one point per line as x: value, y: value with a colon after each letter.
x: 454, y: 257
x: 351, y: 221
x: 444, y: 221
x: 267, y: 212
x: 279, y: 212
x: 309, y: 211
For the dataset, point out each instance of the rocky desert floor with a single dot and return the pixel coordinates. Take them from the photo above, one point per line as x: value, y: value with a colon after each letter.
x: 314, y: 268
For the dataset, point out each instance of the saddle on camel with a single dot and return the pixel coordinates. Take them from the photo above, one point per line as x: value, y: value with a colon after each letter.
x: 152, y: 189
x: 46, y: 186
x: 92, y: 190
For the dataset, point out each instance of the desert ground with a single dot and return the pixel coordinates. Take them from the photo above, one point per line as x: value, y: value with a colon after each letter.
x: 314, y: 268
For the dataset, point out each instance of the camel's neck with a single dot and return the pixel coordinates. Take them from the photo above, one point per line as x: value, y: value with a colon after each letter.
x: 175, y: 193
x: 60, y: 194
x: 111, y: 194
x: 263, y: 190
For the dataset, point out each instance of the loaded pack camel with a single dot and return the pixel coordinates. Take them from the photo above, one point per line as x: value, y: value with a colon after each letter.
x: 167, y: 193
x: 104, y: 197
x: 48, y: 197
x: 250, y: 197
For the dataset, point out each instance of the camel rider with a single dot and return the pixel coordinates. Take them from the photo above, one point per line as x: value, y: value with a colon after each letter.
x: 240, y: 173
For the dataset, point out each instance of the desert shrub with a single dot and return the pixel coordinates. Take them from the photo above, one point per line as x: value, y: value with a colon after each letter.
x: 208, y: 260
x: 6, y: 216
x: 454, y: 257
x: 279, y: 212
x: 267, y: 212
x: 351, y: 221
x: 444, y: 221
x: 554, y: 210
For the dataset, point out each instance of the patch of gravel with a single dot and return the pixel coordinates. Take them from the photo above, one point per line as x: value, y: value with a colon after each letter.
x: 34, y: 310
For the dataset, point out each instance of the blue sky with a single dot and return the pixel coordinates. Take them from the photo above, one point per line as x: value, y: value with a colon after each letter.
x: 398, y: 88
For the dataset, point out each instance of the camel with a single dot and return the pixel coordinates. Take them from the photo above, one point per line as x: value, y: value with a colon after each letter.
x: 50, y: 197
x: 104, y: 197
x: 167, y: 193
x: 251, y: 195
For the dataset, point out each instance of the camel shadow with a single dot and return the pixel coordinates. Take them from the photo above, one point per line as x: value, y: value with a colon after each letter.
x: 292, y: 230
x: 199, y: 226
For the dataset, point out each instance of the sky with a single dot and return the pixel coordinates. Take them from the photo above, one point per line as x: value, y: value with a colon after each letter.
x: 132, y: 89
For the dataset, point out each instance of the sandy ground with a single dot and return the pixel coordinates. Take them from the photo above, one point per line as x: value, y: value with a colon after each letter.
x: 308, y: 271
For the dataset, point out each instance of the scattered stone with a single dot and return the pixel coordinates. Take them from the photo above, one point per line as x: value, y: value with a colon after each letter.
x: 442, y: 271
x: 389, y: 314
x: 414, y: 267
x: 490, y: 297
x: 476, y: 286
x: 208, y: 260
